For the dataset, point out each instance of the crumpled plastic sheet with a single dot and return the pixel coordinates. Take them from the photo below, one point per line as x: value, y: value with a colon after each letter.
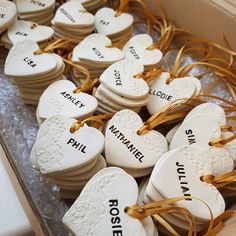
x: 19, y: 127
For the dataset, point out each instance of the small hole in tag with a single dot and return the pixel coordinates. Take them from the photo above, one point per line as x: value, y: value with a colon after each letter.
x: 201, y: 178
x: 138, y: 133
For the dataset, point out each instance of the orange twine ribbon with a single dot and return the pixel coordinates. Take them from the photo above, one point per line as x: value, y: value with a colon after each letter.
x: 97, y: 122
x: 221, y: 181
x: 166, y: 206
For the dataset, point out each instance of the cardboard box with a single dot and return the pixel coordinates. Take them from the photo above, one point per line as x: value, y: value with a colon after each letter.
x: 203, y: 18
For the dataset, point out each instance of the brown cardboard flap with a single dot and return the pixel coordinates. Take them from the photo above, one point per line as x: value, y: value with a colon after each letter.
x: 203, y: 18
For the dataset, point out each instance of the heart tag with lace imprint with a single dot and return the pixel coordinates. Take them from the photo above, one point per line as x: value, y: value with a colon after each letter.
x: 161, y: 93
x: 185, y: 167
x: 125, y: 148
x: 22, y: 30
x: 137, y: 49
x: 59, y: 150
x: 22, y: 55
x: 94, y: 48
x: 119, y: 78
x: 59, y: 99
x: 73, y: 14
x: 99, y: 210
x: 8, y: 13
x: 109, y: 24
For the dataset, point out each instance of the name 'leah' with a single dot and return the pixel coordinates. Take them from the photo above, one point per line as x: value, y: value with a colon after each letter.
x: 137, y: 154
x: 72, y: 99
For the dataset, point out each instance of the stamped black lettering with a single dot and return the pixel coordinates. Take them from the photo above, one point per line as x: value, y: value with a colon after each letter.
x: 68, y: 16
x: 190, y: 136
x: 2, y: 16
x: 77, y: 145
x: 183, y: 184
x: 117, y: 78
x: 160, y: 94
x: 115, y: 218
x: 21, y: 34
x: 133, y: 52
x: 38, y: 3
x: 103, y: 22
x: 72, y: 99
x: 134, y: 150
x: 30, y: 62
x: 97, y: 52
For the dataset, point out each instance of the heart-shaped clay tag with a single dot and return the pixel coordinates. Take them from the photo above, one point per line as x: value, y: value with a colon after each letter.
x: 7, y: 14
x: 119, y: 78
x: 22, y: 55
x: 231, y: 146
x: 185, y: 167
x: 58, y: 149
x: 161, y: 93
x: 72, y: 13
x: 22, y: 30
x: 59, y: 99
x: 125, y: 148
x: 108, y: 23
x: 94, y: 48
x: 198, y: 130
x: 137, y: 49
x: 30, y: 6
x: 99, y: 210
x: 209, y: 109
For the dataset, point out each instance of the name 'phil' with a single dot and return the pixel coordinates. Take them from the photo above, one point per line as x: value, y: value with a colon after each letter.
x: 137, y: 154
x: 72, y: 99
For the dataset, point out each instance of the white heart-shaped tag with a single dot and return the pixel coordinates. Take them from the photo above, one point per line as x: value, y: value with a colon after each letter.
x: 58, y: 149
x: 72, y: 13
x: 231, y: 146
x: 29, y: 6
x: 136, y: 49
x: 125, y: 148
x: 7, y: 14
x: 185, y: 167
x: 209, y: 109
x: 198, y: 130
x: 59, y: 99
x: 108, y: 23
x: 161, y: 93
x: 22, y: 55
x: 119, y: 78
x: 22, y: 30
x: 99, y: 210
x: 94, y: 48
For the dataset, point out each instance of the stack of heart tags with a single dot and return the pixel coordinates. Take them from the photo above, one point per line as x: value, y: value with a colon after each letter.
x: 32, y: 72
x: 201, y: 127
x: 164, y: 90
x: 23, y: 30
x: 8, y: 14
x: 115, y: 25
x: 72, y: 21
x: 68, y: 158
x: 99, y: 210
x: 40, y: 12
x: 92, y: 5
x: 139, y: 48
x: 95, y: 54
x: 125, y: 148
x: 190, y: 157
x: 120, y: 89
x: 61, y: 98
x: 185, y: 167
